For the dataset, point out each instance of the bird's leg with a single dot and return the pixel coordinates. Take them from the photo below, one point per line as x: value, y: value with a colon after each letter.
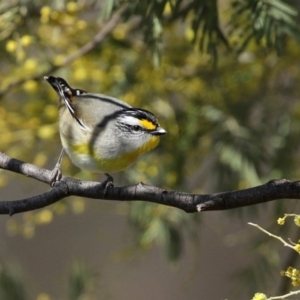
x: 108, y: 183
x: 56, y: 172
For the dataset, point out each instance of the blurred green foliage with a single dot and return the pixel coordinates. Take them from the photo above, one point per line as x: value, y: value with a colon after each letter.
x: 82, y: 283
x: 231, y: 125
x: 11, y: 282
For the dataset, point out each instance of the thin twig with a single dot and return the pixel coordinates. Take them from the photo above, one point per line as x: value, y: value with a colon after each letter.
x: 284, y: 296
x: 286, y: 244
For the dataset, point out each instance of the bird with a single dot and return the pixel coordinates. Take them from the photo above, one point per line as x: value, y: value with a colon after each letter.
x: 100, y: 133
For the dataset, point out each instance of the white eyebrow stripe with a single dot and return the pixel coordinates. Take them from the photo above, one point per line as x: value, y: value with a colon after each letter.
x: 132, y: 121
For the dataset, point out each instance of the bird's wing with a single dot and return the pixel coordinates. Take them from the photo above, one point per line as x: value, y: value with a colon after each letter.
x: 97, y: 109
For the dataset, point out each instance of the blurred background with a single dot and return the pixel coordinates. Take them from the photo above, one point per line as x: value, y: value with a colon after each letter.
x: 223, y: 79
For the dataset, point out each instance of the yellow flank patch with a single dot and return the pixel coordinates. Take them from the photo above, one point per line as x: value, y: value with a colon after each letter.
x: 125, y: 160
x: 147, y: 124
x: 81, y: 149
x: 95, y: 162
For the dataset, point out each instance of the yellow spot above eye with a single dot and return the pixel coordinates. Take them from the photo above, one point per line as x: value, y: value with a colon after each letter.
x: 147, y: 124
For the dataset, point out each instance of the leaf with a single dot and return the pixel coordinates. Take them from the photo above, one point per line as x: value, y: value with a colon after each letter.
x: 11, y: 285
x: 268, y: 21
x: 174, y: 245
x: 106, y: 11
x: 80, y: 281
x: 284, y: 7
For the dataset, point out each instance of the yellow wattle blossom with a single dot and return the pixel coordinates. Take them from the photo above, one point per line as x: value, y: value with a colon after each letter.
x: 51, y: 111
x: 171, y: 178
x: 72, y: 7
x: 54, y: 15
x: 20, y: 55
x: 78, y: 206
x: 293, y: 274
x: 297, y: 220
x: 259, y: 296
x: 81, y: 24
x: 117, y: 72
x: 80, y: 74
x: 152, y: 171
x: 119, y: 33
x: 59, y: 60
x: 40, y: 159
x: 44, y: 19
x: 167, y: 9
x: 67, y: 20
x: 297, y: 248
x: 30, y: 65
x: 98, y: 75
x: 30, y: 86
x: 33, y: 122
x: 45, y: 10
x: 130, y: 98
x: 47, y: 131
x: 28, y: 230
x: 11, y: 46
x: 141, y: 166
x: 189, y: 34
x: 26, y: 40
x: 59, y: 208
x: 44, y: 217
x: 281, y: 221
x: 45, y: 13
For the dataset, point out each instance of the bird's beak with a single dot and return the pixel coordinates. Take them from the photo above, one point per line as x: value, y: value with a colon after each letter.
x: 158, y: 131
x: 52, y: 81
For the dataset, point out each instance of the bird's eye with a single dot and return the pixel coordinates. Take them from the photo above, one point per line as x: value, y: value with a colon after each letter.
x: 136, y: 128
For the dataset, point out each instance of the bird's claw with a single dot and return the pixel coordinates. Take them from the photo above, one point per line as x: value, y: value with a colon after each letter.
x: 107, y: 183
x: 55, y: 175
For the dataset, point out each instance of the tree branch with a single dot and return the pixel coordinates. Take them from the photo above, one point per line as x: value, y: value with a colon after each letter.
x: 272, y: 190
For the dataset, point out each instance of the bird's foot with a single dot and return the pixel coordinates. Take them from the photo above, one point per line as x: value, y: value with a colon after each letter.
x: 106, y: 184
x: 55, y: 175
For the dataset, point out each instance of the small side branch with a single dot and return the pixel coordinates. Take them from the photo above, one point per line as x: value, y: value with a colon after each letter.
x: 272, y: 190
x: 286, y: 244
